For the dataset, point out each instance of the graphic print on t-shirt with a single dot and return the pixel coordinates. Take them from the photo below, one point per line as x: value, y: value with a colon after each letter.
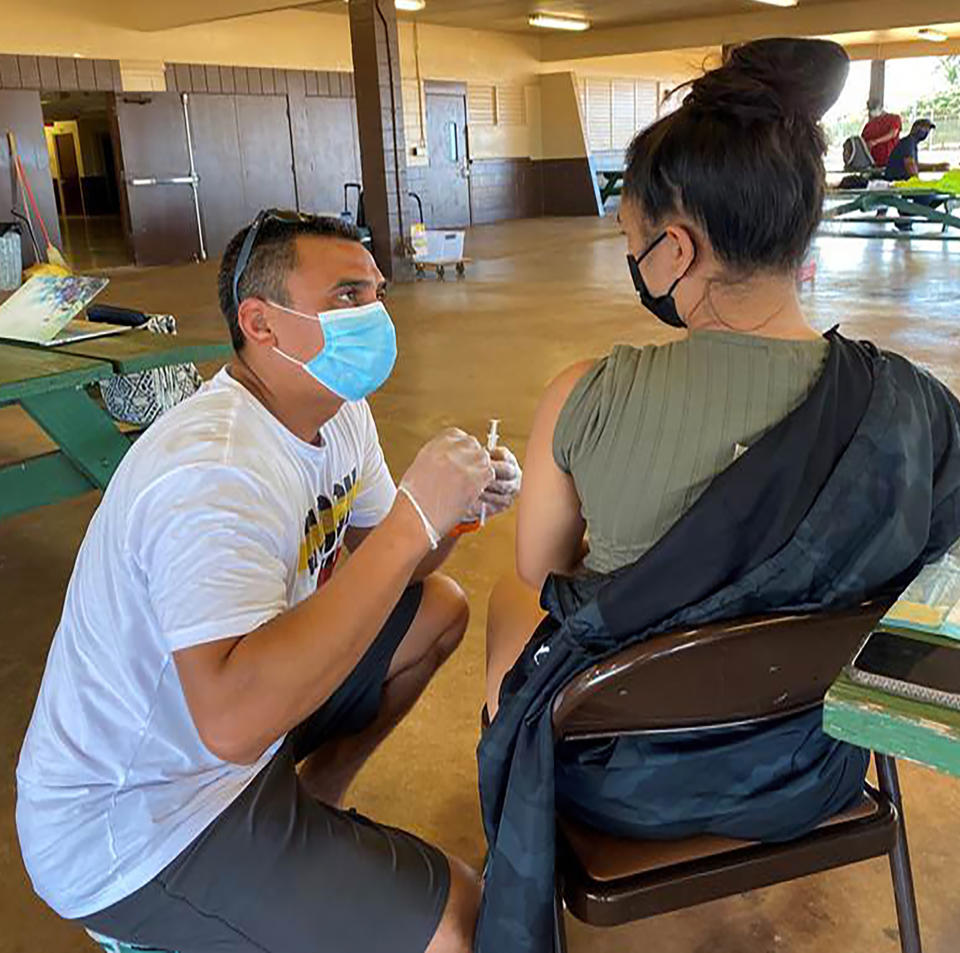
x: 324, y: 528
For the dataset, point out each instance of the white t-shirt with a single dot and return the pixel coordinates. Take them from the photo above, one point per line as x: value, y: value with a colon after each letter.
x: 217, y: 520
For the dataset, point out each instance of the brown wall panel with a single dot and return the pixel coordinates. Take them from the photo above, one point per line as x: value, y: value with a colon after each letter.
x: 322, y: 84
x: 296, y: 85
x: 264, y: 134
x: 103, y: 74
x: 49, y: 74
x: 226, y: 79
x: 254, y: 85
x: 213, y: 79
x: 9, y: 72
x: 327, y: 151
x: 67, y: 68
x: 20, y: 112
x: 183, y: 77
x: 240, y: 82
x: 267, y: 82
x: 502, y: 189
x: 569, y: 187
x: 29, y: 72
x: 198, y: 78
x: 86, y: 78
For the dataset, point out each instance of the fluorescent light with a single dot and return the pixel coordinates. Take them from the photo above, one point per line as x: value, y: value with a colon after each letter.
x: 411, y: 6
x: 549, y: 21
x: 934, y: 36
x: 778, y: 3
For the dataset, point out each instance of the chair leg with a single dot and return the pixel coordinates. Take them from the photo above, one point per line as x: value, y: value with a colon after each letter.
x: 559, y: 927
x: 903, y: 891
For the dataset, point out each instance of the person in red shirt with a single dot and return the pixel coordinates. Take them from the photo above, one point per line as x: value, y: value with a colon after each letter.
x: 881, y: 133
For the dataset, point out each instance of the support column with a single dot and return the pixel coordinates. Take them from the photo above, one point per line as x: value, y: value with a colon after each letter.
x: 376, y: 73
x: 878, y: 79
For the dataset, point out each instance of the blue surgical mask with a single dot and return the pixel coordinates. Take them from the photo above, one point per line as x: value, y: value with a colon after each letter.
x: 359, y: 349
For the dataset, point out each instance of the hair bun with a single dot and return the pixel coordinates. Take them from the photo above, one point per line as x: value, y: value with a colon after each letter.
x: 774, y: 79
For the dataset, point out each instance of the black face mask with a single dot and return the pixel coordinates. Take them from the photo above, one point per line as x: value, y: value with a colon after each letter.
x: 662, y: 306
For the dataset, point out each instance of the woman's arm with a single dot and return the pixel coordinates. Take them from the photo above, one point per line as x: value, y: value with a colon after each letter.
x: 550, y: 526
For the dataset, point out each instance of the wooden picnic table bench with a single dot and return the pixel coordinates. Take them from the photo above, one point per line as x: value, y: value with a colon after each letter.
x: 610, y: 182
x: 926, y: 733
x: 869, y: 206
x: 50, y: 385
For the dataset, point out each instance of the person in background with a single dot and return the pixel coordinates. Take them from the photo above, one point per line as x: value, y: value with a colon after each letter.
x: 904, y: 164
x: 904, y: 160
x: 881, y: 133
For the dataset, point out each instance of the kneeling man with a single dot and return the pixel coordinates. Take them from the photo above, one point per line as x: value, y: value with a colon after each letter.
x: 213, y: 686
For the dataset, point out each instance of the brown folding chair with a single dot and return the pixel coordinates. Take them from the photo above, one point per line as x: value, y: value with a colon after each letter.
x: 741, y: 673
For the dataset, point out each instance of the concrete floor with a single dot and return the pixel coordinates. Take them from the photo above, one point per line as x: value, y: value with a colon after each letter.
x: 95, y: 242
x: 542, y: 294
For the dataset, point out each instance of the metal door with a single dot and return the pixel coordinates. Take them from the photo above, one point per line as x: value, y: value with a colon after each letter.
x: 449, y: 171
x: 216, y: 141
x: 159, y: 178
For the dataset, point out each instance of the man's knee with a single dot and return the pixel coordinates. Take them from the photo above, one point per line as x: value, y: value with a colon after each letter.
x: 438, y: 627
x: 455, y: 932
x: 449, y: 612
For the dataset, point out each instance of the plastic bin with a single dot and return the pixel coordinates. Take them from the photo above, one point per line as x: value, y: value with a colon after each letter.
x: 11, y: 263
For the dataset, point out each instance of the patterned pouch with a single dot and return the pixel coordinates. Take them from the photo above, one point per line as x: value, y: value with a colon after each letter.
x: 141, y: 397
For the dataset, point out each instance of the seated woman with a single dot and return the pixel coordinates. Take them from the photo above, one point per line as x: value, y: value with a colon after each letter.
x: 720, y: 202
x: 750, y: 466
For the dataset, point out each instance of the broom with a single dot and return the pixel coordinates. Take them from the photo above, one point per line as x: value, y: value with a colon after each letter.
x: 54, y: 256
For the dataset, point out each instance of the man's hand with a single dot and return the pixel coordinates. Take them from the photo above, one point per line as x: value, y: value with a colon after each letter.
x: 502, y: 492
x: 448, y: 477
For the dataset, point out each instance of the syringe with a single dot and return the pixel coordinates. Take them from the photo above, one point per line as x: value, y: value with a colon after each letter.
x: 493, y: 438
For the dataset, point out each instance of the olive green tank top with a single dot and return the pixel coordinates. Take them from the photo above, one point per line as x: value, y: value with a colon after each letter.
x: 646, y: 429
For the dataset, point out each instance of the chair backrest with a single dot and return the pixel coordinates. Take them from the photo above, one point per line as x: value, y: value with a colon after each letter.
x: 743, y: 671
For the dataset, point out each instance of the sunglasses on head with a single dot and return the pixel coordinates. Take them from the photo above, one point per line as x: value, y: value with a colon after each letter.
x: 250, y: 240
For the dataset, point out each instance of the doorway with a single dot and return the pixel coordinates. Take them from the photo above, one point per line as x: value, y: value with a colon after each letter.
x: 449, y: 165
x: 83, y: 166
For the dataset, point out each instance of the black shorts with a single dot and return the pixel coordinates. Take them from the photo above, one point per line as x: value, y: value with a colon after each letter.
x: 281, y: 872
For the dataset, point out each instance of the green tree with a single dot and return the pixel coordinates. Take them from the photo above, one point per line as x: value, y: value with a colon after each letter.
x: 950, y: 67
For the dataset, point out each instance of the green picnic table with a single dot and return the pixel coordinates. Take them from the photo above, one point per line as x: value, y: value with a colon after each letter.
x: 892, y: 725
x: 609, y: 181
x: 50, y: 385
x: 871, y: 205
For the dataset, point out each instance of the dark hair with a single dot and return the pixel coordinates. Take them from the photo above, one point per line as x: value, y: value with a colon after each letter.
x: 272, y: 259
x: 743, y: 155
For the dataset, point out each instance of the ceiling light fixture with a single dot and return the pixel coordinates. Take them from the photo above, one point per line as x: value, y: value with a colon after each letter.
x: 934, y: 36
x: 550, y: 21
x: 410, y: 6
x: 778, y: 3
